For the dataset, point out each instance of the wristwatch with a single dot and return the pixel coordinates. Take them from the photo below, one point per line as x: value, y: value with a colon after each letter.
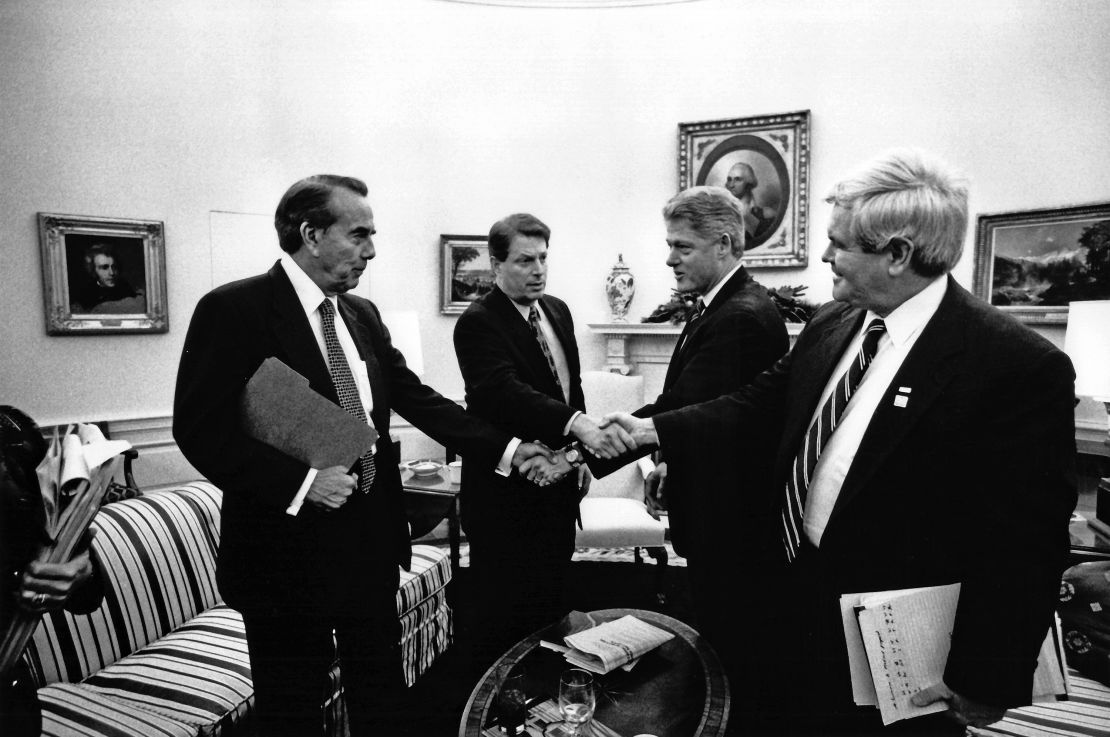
x: 573, y: 454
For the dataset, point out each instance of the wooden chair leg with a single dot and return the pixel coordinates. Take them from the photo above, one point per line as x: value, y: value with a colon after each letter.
x: 660, y: 556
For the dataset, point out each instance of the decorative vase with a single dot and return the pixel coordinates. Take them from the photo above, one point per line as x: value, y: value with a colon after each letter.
x: 619, y: 288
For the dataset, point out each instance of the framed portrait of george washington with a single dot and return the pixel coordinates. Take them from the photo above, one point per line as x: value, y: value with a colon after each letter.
x: 764, y: 162
x: 103, y: 275
x: 1034, y: 263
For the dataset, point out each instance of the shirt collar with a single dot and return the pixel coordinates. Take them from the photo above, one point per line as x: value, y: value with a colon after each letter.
x: 524, y: 310
x: 708, y: 296
x: 308, y: 293
x: 910, y: 317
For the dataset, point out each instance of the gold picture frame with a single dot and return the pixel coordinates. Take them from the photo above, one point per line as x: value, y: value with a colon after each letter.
x: 103, y: 275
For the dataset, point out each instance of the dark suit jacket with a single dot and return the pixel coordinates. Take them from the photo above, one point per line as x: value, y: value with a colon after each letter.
x: 740, y: 334
x: 509, y: 383
x: 972, y: 481
x: 310, y: 561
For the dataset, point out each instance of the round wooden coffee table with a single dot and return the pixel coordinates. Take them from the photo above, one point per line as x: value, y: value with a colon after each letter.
x: 677, y: 690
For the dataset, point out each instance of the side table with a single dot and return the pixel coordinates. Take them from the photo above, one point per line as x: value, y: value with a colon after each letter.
x: 428, y: 500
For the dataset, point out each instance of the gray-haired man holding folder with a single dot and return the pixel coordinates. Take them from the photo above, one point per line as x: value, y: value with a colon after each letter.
x: 307, y: 551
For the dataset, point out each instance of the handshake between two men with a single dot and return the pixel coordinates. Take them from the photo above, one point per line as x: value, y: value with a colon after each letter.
x: 612, y: 436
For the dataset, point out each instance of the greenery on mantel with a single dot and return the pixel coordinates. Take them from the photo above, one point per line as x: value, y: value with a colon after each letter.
x: 787, y: 298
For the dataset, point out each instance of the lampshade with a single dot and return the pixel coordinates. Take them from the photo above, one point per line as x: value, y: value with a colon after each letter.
x: 404, y: 331
x: 1087, y: 343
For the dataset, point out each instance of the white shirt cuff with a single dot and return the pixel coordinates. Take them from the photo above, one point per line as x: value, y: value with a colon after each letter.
x: 566, y: 428
x: 298, y: 500
x: 646, y: 466
x: 505, y: 467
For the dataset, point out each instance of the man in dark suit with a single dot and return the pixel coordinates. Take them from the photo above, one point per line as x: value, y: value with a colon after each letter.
x: 928, y: 439
x: 734, y: 333
x: 305, y: 552
x: 519, y: 359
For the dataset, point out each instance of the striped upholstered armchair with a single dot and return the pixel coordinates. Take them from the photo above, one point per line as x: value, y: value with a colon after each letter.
x: 163, y: 655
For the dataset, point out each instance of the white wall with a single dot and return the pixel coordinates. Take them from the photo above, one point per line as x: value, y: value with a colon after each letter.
x: 457, y: 115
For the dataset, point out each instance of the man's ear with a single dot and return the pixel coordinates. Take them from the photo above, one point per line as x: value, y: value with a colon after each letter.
x: 901, y: 254
x: 310, y: 238
x: 495, y: 266
x: 724, y: 244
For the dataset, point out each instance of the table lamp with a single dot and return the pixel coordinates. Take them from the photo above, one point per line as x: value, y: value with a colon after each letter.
x: 1087, y: 343
x: 404, y: 331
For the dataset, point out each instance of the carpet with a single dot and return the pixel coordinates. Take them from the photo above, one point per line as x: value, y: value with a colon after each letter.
x: 591, y: 555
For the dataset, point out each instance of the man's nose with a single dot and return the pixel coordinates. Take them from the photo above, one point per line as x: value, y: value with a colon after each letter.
x: 672, y: 258
x: 368, y: 251
x: 829, y: 254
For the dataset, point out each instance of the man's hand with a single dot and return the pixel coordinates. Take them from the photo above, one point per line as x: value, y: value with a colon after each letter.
x: 641, y: 431
x: 584, y: 478
x: 46, y: 586
x: 542, y: 472
x: 331, y: 488
x: 603, y: 442
x: 654, y: 497
x: 525, y: 451
x: 962, y: 709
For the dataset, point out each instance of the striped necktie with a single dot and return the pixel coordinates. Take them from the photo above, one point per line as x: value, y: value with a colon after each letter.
x: 537, y: 331
x: 817, y: 437
x: 695, y: 315
x: 345, y: 387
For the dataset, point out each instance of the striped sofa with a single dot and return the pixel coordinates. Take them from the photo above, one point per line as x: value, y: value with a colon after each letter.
x: 163, y: 655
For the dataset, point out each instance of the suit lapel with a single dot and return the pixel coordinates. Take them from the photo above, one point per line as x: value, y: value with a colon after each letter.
x: 294, y: 334
x: 815, y: 367
x: 927, y: 370
x: 689, y: 337
x: 520, y: 334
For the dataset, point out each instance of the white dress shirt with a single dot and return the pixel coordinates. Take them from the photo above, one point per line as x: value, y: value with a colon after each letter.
x: 903, y: 327
x: 310, y: 296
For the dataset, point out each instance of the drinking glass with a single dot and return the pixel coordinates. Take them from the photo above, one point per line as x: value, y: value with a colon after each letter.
x: 576, y: 698
x: 512, y: 708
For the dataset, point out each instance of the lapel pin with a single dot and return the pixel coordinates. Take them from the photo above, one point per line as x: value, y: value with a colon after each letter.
x: 901, y: 400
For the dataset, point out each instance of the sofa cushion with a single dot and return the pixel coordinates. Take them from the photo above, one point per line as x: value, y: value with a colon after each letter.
x: 75, y: 711
x: 430, y: 572
x: 1086, y: 713
x: 199, y: 674
x: 156, y: 555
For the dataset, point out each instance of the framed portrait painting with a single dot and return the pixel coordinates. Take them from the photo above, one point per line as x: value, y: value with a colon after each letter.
x: 103, y: 275
x: 465, y: 274
x: 1034, y: 263
x: 764, y: 161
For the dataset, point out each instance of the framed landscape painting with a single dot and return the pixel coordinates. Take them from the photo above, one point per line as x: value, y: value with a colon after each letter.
x: 103, y: 275
x: 465, y: 272
x: 764, y: 162
x: 1034, y: 263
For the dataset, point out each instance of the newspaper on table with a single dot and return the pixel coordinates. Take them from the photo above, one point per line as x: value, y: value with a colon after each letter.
x: 615, y: 644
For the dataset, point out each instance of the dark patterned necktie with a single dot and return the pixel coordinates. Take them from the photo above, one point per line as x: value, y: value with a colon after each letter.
x: 346, y: 389
x: 699, y: 310
x: 534, y: 323
x: 817, y: 437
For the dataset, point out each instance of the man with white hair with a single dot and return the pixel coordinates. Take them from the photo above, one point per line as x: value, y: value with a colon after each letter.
x: 927, y: 439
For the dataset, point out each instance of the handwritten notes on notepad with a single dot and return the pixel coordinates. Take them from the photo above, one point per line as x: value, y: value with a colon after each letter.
x: 898, y: 643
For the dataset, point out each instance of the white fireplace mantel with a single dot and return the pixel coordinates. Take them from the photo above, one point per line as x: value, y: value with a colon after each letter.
x: 645, y: 348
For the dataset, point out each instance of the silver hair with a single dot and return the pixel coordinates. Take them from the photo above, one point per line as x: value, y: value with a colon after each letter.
x: 907, y: 194
x: 710, y: 211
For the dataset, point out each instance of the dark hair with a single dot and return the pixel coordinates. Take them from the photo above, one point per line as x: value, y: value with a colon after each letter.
x: 99, y: 249
x: 22, y: 448
x: 504, y: 230
x: 308, y: 201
